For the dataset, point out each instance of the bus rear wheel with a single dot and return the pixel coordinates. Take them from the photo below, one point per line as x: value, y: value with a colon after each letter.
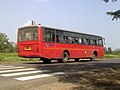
x: 46, y: 61
x: 65, y: 57
x: 77, y: 60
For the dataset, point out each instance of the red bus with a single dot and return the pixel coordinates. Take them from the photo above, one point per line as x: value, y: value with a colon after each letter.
x: 37, y: 41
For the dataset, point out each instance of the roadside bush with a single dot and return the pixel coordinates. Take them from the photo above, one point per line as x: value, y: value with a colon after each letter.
x: 111, y: 56
x: 1, y: 58
x: 12, y: 58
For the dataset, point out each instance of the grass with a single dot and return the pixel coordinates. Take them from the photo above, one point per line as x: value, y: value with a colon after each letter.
x: 12, y: 58
x: 112, y: 56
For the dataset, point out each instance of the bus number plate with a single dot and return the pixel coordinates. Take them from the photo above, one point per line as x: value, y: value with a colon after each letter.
x: 27, y: 48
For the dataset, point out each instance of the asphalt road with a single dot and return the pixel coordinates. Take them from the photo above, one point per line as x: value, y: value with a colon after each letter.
x: 27, y: 75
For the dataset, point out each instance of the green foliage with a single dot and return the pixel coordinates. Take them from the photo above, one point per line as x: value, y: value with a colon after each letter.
x: 109, y: 0
x: 115, y: 14
x: 1, y: 58
x: 109, y: 53
x: 12, y: 58
x: 117, y: 51
x: 112, y: 56
x: 108, y: 50
x: 5, y: 45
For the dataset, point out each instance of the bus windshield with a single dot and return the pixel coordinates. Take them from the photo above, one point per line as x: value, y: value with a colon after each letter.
x: 27, y: 34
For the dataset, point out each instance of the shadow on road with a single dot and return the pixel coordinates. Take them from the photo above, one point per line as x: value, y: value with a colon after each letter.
x: 56, y: 62
x: 72, y: 66
x: 88, y: 75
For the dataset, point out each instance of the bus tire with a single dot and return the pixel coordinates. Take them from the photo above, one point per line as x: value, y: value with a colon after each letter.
x: 77, y: 60
x: 59, y: 60
x: 65, y: 57
x: 46, y: 61
x: 93, y: 58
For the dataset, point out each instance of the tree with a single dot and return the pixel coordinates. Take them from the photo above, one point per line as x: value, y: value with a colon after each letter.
x: 5, y: 45
x: 117, y: 51
x: 105, y: 50
x: 109, y: 0
x: 115, y: 14
x: 3, y: 41
x: 109, y: 50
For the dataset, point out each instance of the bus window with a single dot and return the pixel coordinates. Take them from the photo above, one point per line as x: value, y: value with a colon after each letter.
x: 26, y: 34
x: 65, y: 39
x: 92, y: 42
x: 76, y: 40
x: 95, y: 42
x: 57, y: 38
x: 88, y: 41
x: 60, y: 39
x: 69, y: 39
x: 100, y: 42
x: 85, y: 41
x: 48, y: 35
x: 80, y: 40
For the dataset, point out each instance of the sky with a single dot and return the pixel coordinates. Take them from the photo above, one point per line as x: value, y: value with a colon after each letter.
x: 85, y: 16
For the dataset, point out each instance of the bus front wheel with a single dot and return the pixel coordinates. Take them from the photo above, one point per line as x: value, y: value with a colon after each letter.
x: 93, y: 57
x: 65, y: 57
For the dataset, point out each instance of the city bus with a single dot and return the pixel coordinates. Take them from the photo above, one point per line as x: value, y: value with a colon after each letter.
x: 46, y: 43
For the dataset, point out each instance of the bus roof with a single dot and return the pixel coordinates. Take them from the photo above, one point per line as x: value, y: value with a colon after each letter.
x: 65, y: 30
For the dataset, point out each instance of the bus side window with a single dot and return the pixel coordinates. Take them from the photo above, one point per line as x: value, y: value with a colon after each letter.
x: 92, y: 42
x: 85, y: 41
x: 95, y: 42
x: 73, y: 40
x: 61, y: 40
x: 88, y: 41
x: 49, y: 35
x: 65, y: 39
x: 60, y: 36
x: 100, y: 42
x: 80, y: 40
x: 57, y: 38
x: 76, y: 40
x: 69, y: 39
x: 53, y: 38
